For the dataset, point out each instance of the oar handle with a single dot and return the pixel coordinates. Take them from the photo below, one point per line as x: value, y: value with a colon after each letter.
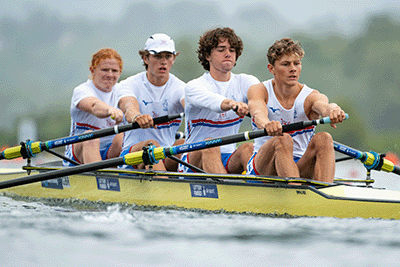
x: 140, y: 157
x: 30, y: 149
x: 161, y: 153
x: 135, y: 125
x: 106, y: 132
x: 304, y: 124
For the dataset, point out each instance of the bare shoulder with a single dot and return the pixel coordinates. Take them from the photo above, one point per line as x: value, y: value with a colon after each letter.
x: 257, y: 90
x: 316, y: 95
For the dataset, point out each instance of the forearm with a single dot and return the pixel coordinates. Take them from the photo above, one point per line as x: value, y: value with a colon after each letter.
x: 228, y: 104
x: 260, y: 118
x: 331, y: 110
x: 324, y: 109
x: 130, y: 107
x: 259, y: 113
x: 202, y: 98
x: 101, y: 109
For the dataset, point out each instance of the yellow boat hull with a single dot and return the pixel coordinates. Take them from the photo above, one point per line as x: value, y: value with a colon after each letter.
x: 340, y: 201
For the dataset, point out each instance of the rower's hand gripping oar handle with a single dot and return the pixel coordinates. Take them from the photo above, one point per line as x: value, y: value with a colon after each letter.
x: 304, y: 124
x: 161, y: 152
x: 285, y: 128
x: 292, y: 126
x: 157, y: 153
x: 29, y: 149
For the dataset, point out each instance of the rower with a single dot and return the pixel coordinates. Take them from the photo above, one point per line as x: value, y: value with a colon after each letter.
x: 94, y: 107
x: 152, y: 93
x: 216, y: 104
x: 283, y: 100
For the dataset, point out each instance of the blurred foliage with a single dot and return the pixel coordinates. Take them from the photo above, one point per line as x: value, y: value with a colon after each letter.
x: 45, y: 56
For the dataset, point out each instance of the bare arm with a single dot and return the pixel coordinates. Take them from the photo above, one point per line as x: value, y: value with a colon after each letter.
x: 183, y: 102
x: 130, y: 106
x: 100, y: 109
x: 320, y: 106
x: 258, y: 99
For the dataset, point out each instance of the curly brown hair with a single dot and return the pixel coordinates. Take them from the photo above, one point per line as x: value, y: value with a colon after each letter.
x: 212, y: 38
x: 283, y: 47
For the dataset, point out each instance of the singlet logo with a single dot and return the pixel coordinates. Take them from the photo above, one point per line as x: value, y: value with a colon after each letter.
x: 284, y: 122
x: 165, y: 105
x: 274, y: 109
x: 146, y: 103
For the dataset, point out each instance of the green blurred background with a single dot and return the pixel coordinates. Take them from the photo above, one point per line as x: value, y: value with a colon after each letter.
x: 45, y: 53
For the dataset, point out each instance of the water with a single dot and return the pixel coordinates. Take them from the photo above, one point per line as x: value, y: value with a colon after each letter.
x: 35, y: 234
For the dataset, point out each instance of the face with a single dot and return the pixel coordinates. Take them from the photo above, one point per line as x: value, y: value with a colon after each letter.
x: 223, y: 57
x: 159, y: 66
x: 287, y: 69
x: 106, y: 74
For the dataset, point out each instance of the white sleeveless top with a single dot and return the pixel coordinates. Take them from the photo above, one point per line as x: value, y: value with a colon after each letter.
x: 276, y: 112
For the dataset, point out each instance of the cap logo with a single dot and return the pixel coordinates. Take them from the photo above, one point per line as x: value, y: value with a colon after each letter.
x: 159, y: 43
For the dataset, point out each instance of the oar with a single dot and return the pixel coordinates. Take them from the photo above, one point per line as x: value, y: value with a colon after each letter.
x: 371, y: 160
x: 152, y: 154
x: 29, y: 149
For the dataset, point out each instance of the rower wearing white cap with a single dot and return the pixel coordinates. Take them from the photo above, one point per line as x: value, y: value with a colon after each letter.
x: 152, y: 93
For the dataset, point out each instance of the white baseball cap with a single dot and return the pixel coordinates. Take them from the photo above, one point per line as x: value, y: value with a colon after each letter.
x: 160, y: 42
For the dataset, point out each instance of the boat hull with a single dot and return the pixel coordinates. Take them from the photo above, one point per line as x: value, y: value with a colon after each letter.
x: 340, y: 201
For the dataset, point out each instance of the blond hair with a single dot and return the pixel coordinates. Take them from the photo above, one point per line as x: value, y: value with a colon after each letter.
x: 285, y: 46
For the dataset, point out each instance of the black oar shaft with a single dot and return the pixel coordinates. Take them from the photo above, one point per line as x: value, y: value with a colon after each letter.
x: 240, y: 137
x: 105, y: 132
x: 32, y: 148
x: 138, y: 157
x: 62, y: 172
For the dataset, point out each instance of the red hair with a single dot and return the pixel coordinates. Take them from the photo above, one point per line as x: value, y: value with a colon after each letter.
x: 106, y: 53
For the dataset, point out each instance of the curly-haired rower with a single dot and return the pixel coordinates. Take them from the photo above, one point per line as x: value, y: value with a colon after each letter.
x: 210, y: 41
x: 216, y: 103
